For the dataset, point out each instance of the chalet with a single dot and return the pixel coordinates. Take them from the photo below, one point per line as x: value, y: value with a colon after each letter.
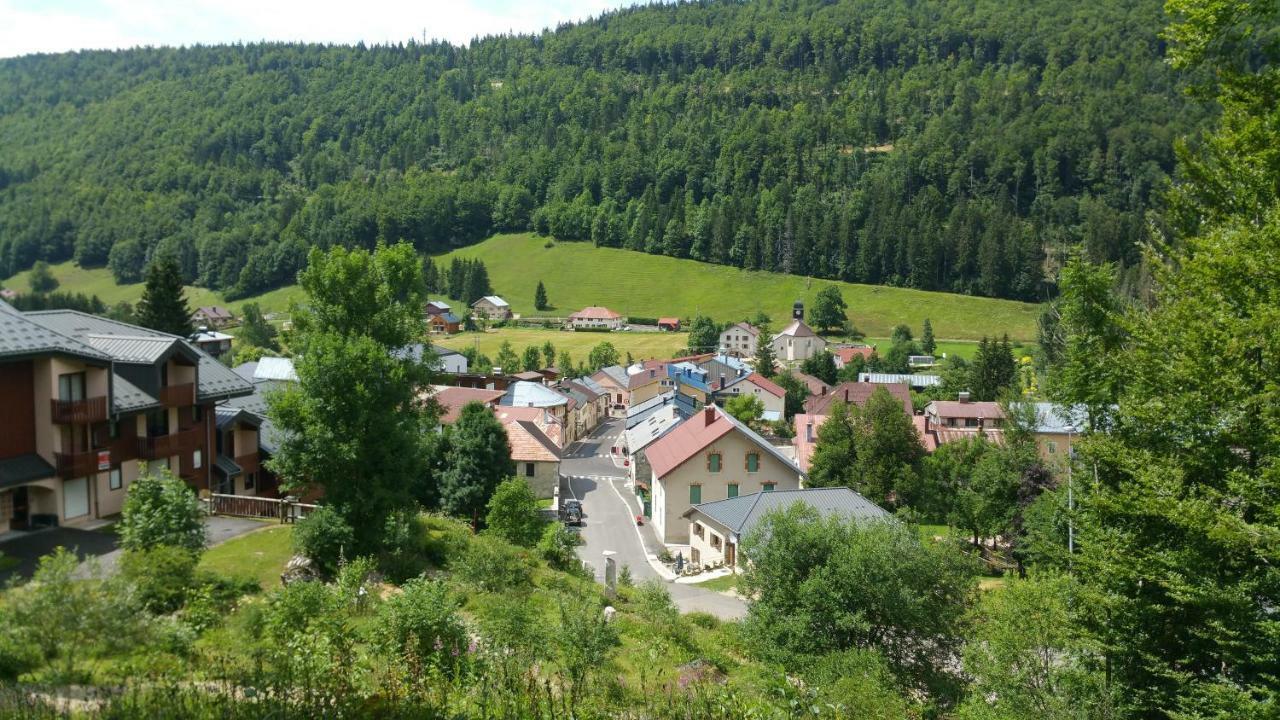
x: 444, y: 324
x: 211, y: 341
x: 491, y: 307
x: 535, y: 438
x: 596, y: 318
x: 438, y: 307
x: 716, y: 529
x: 711, y: 456
x: 214, y: 316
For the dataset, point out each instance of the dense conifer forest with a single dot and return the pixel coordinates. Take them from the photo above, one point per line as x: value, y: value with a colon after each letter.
x: 958, y: 146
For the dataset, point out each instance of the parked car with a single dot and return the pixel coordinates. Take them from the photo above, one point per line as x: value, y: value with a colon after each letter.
x: 571, y: 512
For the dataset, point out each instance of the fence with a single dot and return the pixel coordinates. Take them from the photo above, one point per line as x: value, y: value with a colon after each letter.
x: 282, y: 509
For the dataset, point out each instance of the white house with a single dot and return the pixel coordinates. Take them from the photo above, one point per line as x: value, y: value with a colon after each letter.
x: 597, y: 318
x: 740, y: 340
x: 797, y: 342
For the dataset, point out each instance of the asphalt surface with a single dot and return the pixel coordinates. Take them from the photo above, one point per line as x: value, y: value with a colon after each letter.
x: 609, y: 511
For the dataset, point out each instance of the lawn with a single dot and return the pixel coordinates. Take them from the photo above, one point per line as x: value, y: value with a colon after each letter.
x: 723, y: 583
x: 579, y: 274
x: 640, y: 345
x: 261, y: 554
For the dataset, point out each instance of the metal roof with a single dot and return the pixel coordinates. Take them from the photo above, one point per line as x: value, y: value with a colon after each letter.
x: 227, y: 466
x: 741, y: 514
x: 529, y: 394
x: 227, y: 415
x: 132, y: 348
x: 275, y: 368
x: 21, y: 336
x: 653, y: 426
x: 23, y: 469
x: 216, y: 380
x: 494, y: 299
x: 127, y: 397
x: 900, y: 379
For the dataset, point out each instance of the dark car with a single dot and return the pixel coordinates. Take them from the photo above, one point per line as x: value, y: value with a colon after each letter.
x: 571, y: 512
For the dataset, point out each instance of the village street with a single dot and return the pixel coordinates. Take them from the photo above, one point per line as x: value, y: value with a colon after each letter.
x: 610, y: 508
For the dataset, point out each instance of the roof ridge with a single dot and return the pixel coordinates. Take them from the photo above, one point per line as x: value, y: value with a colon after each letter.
x: 23, y: 315
x: 747, y: 515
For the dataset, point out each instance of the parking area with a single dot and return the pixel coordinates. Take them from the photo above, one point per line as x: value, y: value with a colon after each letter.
x: 28, y: 548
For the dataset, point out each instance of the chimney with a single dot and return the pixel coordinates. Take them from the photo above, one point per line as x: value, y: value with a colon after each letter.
x: 964, y: 396
x: 846, y: 394
x: 720, y: 385
x: 824, y: 390
x: 709, y: 414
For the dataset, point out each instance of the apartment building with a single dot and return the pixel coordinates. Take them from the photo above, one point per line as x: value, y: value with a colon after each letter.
x: 90, y: 404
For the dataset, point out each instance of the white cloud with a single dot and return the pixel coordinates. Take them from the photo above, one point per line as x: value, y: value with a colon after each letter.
x: 61, y: 25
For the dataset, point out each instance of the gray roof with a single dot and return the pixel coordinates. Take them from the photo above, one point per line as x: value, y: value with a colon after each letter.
x: 275, y: 368
x: 1053, y: 418
x: 23, y: 469
x: 269, y: 437
x: 655, y: 424
x: 246, y: 369
x: 216, y: 380
x: 531, y: 394
x: 227, y: 466
x: 139, y: 349
x: 494, y: 299
x: 227, y: 415
x: 21, y: 336
x: 617, y: 373
x: 639, y: 412
x: 127, y: 397
x: 739, y: 515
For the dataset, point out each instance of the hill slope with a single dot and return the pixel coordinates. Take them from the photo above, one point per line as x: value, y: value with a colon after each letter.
x: 577, y: 275
x: 937, y: 144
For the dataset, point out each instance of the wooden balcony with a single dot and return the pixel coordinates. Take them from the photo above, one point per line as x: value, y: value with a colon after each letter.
x: 181, y: 395
x: 248, y: 463
x: 79, y: 412
x: 76, y: 464
x: 163, y: 446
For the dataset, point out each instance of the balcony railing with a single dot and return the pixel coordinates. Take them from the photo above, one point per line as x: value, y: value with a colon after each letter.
x: 79, y: 412
x: 180, y: 395
x: 248, y: 463
x: 163, y: 446
x: 76, y: 464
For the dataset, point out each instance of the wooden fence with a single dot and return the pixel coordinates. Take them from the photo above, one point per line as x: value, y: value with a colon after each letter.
x: 258, y: 507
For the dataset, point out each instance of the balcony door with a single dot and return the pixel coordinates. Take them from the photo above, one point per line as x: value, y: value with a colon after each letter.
x: 71, y: 387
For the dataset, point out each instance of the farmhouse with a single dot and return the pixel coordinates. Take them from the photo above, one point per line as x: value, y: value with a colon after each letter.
x: 211, y: 341
x: 740, y: 340
x: 596, y: 318
x: 491, y: 307
x: 711, y: 456
x: 214, y: 316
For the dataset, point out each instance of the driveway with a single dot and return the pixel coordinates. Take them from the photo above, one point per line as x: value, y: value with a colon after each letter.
x: 609, y: 524
x: 101, y: 546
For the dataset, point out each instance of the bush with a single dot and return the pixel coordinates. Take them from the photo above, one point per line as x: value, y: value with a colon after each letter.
x: 16, y: 655
x: 704, y: 620
x: 353, y: 579
x: 295, y: 606
x: 161, y: 510
x: 513, y: 513
x: 402, y: 556
x: 162, y: 576
x: 423, y: 621
x: 493, y: 565
x: 442, y: 538
x: 557, y: 547
x: 323, y: 536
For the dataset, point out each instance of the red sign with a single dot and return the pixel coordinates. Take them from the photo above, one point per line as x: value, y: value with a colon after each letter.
x: 104, y: 459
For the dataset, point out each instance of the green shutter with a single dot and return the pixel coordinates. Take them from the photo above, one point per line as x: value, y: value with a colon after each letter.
x: 714, y: 462
x: 753, y: 462
x: 695, y: 494
x: 767, y: 488
x: 733, y: 489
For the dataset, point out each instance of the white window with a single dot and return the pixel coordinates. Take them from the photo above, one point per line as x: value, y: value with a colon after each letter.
x: 197, y: 459
x: 116, y: 480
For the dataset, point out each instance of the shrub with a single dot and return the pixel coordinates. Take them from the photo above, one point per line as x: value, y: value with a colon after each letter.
x: 295, y: 606
x: 161, y: 510
x: 17, y: 656
x: 402, y: 556
x: 323, y: 536
x: 513, y: 513
x: 353, y: 577
x: 442, y: 538
x: 557, y: 547
x: 704, y: 620
x: 162, y: 576
x: 423, y: 621
x: 493, y: 565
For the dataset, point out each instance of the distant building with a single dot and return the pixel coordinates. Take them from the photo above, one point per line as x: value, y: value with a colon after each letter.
x: 438, y: 307
x: 846, y: 353
x: 918, y: 382
x: 215, y: 343
x: 857, y: 393
x: 597, y: 318
x: 491, y: 307
x: 669, y: 324
x: 797, y: 342
x: 444, y: 324
x: 214, y: 316
x: 740, y: 340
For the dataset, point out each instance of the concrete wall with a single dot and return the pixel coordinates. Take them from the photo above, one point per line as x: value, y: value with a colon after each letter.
x: 671, y: 493
x: 771, y: 402
x: 797, y: 349
x: 710, y: 547
x: 545, y: 478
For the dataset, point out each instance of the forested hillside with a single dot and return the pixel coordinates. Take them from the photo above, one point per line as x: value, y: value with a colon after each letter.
x: 940, y: 145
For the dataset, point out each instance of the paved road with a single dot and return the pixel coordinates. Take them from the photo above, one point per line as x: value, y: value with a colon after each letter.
x: 610, y: 509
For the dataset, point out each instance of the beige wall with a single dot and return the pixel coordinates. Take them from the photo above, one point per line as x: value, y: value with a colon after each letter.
x: 790, y: 349
x: 546, y: 475
x: 671, y: 493
x: 648, y: 391
x: 710, y: 547
x: 1055, y: 450
x: 739, y: 341
x: 111, y: 501
x: 771, y: 402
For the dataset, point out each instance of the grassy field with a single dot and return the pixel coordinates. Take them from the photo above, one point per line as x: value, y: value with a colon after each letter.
x: 579, y: 274
x: 640, y: 345
x: 261, y: 555
x: 98, y: 281
x: 724, y: 583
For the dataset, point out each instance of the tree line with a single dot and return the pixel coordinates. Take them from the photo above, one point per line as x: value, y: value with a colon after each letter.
x: 936, y: 145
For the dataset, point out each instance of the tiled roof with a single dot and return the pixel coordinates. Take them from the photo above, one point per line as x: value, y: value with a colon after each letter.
x: 797, y: 328
x: 857, y: 393
x: 668, y: 321
x: 530, y: 444
x: 452, y: 399
x: 815, y: 385
x: 746, y: 327
x: 700, y: 430
x: 21, y: 337
x: 647, y: 376
x: 216, y: 380
x: 766, y: 384
x: 741, y: 514
x: 529, y: 375
x: 844, y: 355
x: 214, y: 311
x: 957, y: 409
x: 595, y: 312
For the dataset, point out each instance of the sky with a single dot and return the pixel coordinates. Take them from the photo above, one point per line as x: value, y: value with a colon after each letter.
x: 32, y: 26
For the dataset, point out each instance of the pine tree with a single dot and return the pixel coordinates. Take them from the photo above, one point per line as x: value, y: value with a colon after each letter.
x: 765, y: 360
x: 255, y: 331
x: 163, y: 305
x: 431, y: 276
x: 548, y: 354
x: 927, y: 342
x: 540, y: 297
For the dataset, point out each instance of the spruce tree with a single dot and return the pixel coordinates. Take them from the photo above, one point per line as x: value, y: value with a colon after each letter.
x: 540, y: 297
x: 764, y: 353
x: 927, y: 343
x: 163, y: 305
